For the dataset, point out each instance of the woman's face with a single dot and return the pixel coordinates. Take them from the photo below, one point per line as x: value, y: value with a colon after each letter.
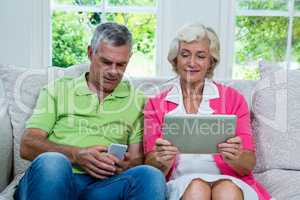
x: 193, y: 60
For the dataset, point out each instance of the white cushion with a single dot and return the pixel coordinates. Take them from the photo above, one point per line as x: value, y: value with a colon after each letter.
x: 276, y: 123
x: 22, y: 87
x: 282, y: 184
x: 9, y: 191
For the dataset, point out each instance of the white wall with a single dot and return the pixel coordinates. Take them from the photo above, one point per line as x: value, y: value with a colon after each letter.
x: 25, y: 30
x: 14, y: 34
x: 24, y: 38
x: 217, y: 14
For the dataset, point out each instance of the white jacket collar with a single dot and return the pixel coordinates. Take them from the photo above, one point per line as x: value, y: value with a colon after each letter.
x: 210, y: 91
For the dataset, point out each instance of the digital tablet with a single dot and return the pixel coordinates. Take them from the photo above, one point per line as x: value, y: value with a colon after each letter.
x: 198, y: 134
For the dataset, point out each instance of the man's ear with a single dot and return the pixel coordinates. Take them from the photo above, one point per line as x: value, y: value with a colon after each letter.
x: 90, y: 52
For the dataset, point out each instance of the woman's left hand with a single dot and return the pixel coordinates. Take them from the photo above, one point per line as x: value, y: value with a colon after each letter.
x: 231, y: 150
x: 241, y: 160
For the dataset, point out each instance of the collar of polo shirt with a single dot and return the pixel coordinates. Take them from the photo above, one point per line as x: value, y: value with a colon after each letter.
x: 81, y: 88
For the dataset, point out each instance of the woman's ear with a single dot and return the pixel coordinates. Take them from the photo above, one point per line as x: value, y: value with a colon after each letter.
x: 175, y: 61
x: 212, y: 61
x: 175, y: 64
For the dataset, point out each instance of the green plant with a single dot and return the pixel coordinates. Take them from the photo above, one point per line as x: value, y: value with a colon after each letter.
x: 69, y: 39
x: 71, y: 31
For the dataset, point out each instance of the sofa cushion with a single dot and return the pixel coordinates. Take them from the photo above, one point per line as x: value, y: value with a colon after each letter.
x: 6, y: 141
x: 8, y: 193
x: 282, y: 184
x: 22, y: 86
x: 276, y: 122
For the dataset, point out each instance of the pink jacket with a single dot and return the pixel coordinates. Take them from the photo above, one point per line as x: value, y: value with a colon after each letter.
x: 229, y: 102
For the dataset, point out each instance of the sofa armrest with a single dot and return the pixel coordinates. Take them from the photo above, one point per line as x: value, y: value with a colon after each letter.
x: 6, y: 142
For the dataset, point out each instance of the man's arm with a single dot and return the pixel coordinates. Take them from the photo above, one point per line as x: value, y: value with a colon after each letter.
x: 94, y: 160
x: 136, y: 154
x: 35, y: 142
x: 134, y: 157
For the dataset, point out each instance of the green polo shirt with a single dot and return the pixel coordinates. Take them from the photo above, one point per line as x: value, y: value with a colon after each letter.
x: 71, y: 114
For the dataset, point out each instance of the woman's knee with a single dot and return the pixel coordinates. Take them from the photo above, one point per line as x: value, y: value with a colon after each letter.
x: 226, y: 188
x: 197, y: 189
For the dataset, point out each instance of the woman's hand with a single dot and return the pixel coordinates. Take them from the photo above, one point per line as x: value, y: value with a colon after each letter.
x: 165, y: 152
x: 163, y: 156
x: 242, y: 161
x: 231, y: 150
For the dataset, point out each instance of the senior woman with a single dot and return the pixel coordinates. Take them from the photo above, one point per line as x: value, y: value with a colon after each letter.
x: 194, y: 54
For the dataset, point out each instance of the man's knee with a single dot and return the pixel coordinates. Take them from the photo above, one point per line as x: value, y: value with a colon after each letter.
x: 51, y: 163
x: 150, y: 177
x: 48, y: 174
x: 147, y: 172
x: 148, y: 180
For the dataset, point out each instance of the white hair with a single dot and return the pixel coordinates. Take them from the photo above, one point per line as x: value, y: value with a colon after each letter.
x: 195, y: 32
x: 113, y: 33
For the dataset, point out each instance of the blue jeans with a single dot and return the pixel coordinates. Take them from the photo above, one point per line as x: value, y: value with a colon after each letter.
x: 50, y: 177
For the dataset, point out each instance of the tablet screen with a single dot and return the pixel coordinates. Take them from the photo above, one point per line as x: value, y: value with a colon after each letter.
x: 198, y: 134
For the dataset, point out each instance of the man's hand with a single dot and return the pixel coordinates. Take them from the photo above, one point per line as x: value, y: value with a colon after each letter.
x: 96, y: 161
x: 125, y: 164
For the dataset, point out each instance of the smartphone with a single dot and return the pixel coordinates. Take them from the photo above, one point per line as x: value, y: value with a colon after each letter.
x: 118, y: 150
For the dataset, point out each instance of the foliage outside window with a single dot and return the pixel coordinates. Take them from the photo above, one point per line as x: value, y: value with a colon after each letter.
x: 266, y: 29
x: 73, y: 22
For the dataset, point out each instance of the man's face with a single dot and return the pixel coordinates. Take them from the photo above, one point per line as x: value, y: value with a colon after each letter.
x: 108, y: 65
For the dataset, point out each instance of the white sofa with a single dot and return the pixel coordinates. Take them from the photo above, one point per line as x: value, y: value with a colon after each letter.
x: 274, y: 102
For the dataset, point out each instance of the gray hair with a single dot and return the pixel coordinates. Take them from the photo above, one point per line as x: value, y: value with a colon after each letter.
x: 196, y: 32
x: 113, y: 33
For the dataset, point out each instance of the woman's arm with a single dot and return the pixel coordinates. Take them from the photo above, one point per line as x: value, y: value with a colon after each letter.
x: 158, y: 152
x: 239, y: 152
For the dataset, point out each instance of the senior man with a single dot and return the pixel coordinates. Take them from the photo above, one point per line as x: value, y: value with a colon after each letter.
x: 74, y: 122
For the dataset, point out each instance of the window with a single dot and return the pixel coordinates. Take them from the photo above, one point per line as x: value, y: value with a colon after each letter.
x: 266, y: 29
x: 73, y: 22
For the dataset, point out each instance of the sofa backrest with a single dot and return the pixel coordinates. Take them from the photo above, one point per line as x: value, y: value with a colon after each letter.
x: 22, y: 87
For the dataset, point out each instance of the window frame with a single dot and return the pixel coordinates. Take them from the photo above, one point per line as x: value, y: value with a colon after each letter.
x: 290, y: 13
x: 104, y: 7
